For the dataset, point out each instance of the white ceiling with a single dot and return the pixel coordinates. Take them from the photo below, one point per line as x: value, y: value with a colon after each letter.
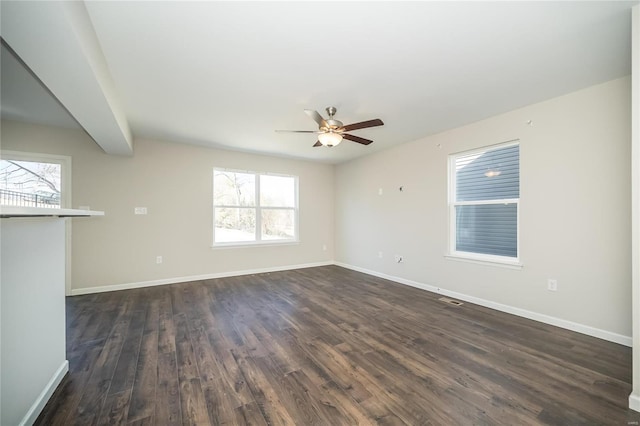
x: 227, y: 74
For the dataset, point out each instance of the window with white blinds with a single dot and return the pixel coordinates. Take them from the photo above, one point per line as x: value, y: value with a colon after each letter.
x: 484, y: 193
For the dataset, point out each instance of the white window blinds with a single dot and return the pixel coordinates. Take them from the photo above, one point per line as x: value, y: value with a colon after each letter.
x: 484, y: 206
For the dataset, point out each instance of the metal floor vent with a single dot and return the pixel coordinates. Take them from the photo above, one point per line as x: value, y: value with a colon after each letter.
x: 451, y: 301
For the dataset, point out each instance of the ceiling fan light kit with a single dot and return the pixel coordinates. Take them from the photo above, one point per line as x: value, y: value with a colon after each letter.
x: 331, y: 131
x: 330, y: 138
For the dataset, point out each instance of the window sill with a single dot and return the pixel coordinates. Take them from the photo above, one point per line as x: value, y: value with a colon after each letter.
x: 496, y: 263
x: 254, y: 244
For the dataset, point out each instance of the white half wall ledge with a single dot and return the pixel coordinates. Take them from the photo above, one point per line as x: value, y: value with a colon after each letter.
x: 190, y: 278
x: 7, y: 212
x: 547, y: 319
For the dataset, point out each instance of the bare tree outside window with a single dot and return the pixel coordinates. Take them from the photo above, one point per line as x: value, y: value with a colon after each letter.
x: 252, y: 207
x: 234, y: 193
x: 30, y: 183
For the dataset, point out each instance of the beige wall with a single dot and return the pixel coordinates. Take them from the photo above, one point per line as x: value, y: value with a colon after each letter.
x: 174, y: 182
x: 575, y: 209
x: 575, y: 206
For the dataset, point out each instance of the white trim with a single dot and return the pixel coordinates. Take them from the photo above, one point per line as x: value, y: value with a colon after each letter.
x: 249, y: 244
x: 485, y: 148
x: 547, y: 319
x: 497, y: 262
x: 257, y: 207
x: 634, y: 402
x: 486, y: 202
x: 128, y: 286
x: 452, y: 204
x: 66, y: 167
x: 43, y: 398
x: 634, y: 398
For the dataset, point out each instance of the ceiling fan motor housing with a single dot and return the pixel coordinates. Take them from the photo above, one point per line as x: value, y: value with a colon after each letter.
x: 332, y: 125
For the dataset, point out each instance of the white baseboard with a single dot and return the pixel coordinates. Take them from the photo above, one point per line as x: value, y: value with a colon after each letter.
x: 44, y: 396
x: 174, y: 280
x: 547, y: 319
x: 634, y: 401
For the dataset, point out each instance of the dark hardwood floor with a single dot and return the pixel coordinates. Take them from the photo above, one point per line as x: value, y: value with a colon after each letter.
x: 326, y: 346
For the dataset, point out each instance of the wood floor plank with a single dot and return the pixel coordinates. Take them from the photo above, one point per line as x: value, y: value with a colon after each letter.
x: 192, y: 402
x: 143, y: 394
x: 125, y: 372
x: 187, y: 367
x: 266, y: 396
x: 167, y: 399
x: 115, y: 408
x: 326, y: 346
x: 97, y: 387
x: 147, y: 421
x: 249, y: 415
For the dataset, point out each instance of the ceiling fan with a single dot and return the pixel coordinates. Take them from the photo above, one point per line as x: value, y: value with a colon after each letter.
x: 331, y: 131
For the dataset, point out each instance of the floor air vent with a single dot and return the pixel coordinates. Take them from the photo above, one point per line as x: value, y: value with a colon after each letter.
x: 450, y: 301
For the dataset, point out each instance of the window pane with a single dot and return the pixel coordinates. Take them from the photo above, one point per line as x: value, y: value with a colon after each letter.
x: 235, y: 225
x: 278, y: 224
x: 487, y: 229
x: 30, y: 183
x: 489, y: 175
x: 277, y: 191
x: 233, y: 189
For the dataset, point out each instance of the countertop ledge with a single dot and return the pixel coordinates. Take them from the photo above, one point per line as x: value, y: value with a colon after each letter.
x: 12, y: 211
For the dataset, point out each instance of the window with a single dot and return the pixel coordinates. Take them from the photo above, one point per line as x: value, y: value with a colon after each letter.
x: 253, y: 207
x: 484, y: 193
x: 34, y: 180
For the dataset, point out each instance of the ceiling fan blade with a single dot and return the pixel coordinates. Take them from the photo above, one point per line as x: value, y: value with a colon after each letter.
x: 362, y: 125
x: 317, y: 144
x: 298, y: 131
x: 315, y: 116
x: 358, y: 139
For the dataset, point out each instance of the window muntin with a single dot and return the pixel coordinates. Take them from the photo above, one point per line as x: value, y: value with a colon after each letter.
x: 252, y: 208
x: 484, y: 198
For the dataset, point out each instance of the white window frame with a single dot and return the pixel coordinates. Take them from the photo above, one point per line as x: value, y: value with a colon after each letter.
x: 258, y: 208
x: 65, y: 195
x: 453, y: 254
x: 65, y: 169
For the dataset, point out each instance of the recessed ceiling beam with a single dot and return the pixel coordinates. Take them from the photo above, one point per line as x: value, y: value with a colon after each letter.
x: 57, y: 41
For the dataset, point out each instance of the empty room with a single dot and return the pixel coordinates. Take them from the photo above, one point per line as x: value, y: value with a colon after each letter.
x: 327, y: 213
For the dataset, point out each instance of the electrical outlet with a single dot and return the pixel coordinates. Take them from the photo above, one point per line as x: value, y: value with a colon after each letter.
x: 379, y: 191
x: 398, y: 258
x: 158, y: 259
x: 140, y: 210
x: 552, y: 285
